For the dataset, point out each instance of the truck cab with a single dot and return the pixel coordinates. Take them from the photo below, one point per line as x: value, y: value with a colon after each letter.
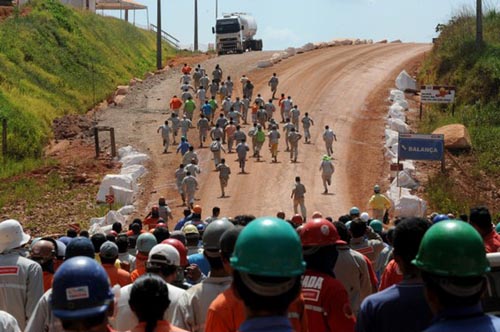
x: 234, y: 34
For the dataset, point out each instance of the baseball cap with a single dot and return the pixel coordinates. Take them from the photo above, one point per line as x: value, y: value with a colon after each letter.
x: 145, y: 242
x: 164, y: 254
x: 80, y: 246
x: 108, y: 250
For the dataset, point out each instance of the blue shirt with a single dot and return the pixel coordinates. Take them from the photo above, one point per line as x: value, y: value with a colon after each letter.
x: 183, y: 147
x: 465, y: 319
x: 401, y: 307
x: 181, y: 223
x: 201, y: 261
x: 207, y: 109
x: 267, y: 324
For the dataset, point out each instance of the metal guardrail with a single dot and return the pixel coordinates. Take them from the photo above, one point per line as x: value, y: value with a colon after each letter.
x: 167, y: 37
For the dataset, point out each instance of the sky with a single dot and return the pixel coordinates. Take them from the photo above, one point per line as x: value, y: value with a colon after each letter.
x: 285, y: 23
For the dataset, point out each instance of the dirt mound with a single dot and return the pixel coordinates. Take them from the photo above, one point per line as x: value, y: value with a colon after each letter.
x: 72, y: 127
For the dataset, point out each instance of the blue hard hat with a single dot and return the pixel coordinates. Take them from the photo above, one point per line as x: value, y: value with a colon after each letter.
x: 440, y: 217
x: 497, y: 228
x: 354, y: 211
x: 80, y: 289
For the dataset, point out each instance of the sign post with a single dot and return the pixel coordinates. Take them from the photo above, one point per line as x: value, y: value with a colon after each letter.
x: 437, y: 94
x: 421, y: 147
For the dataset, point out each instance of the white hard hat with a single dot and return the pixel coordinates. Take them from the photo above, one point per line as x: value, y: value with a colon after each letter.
x: 12, y: 235
x: 164, y: 254
x: 364, y: 216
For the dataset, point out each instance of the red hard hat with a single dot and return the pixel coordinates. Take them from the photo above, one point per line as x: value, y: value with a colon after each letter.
x: 319, y: 232
x: 181, y: 248
x: 297, y: 220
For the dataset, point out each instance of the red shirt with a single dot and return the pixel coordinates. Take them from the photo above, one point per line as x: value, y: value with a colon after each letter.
x: 186, y: 70
x: 327, y: 303
x: 140, y: 266
x: 492, y: 242
x: 151, y: 222
x: 392, y: 275
x: 175, y: 103
x: 371, y: 271
x: 117, y: 276
x: 161, y: 326
x: 47, y: 280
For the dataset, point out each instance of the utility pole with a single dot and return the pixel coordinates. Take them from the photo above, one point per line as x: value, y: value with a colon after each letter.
x: 195, y: 25
x: 158, y: 36
x: 479, y: 23
x: 216, y: 9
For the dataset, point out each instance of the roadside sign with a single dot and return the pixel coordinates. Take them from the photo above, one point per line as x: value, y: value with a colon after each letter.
x: 420, y: 147
x: 437, y: 94
x: 110, y: 199
x: 396, y: 167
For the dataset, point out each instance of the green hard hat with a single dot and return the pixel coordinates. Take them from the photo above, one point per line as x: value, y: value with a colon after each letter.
x: 376, y: 225
x: 452, y: 248
x: 497, y: 228
x: 270, y: 247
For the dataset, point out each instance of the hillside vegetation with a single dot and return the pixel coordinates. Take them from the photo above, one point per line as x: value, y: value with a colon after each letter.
x: 455, y: 60
x: 55, y: 60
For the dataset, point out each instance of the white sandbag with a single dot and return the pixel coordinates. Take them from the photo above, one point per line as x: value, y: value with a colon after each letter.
x: 123, y: 196
x: 134, y: 158
x: 110, y: 218
x: 264, y: 64
x: 395, y: 193
x: 308, y: 47
x: 135, y: 171
x: 402, y: 102
x: 275, y: 58
x: 396, y: 94
x: 406, y: 181
x: 410, y: 206
x: 284, y: 55
x: 118, y: 180
x: 391, y: 137
x: 397, y: 112
x: 390, y: 153
x: 126, y: 150
x: 405, y: 82
x: 291, y: 51
x: 398, y: 125
x: 126, y: 210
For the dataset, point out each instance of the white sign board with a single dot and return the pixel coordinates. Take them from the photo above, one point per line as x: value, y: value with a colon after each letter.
x: 437, y: 94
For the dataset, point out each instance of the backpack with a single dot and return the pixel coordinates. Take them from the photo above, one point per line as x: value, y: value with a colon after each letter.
x: 214, y: 147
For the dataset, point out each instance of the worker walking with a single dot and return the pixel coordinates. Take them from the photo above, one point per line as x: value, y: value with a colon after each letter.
x: 224, y: 172
x: 203, y: 127
x: 273, y: 84
x: 185, y: 124
x: 274, y: 138
x: 298, y: 195
x: 176, y: 123
x: 242, y: 150
x: 287, y: 127
x: 328, y: 137
x: 378, y: 203
x: 327, y: 169
x: 293, y: 139
x: 189, y: 107
x: 307, y: 122
x: 216, y: 148
x: 189, y: 187
x: 180, y: 174
x: 260, y: 138
x: 165, y: 135
x: 294, y: 116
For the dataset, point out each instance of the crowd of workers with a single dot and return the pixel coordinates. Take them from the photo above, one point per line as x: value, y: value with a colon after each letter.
x: 215, y: 274
x: 311, y: 272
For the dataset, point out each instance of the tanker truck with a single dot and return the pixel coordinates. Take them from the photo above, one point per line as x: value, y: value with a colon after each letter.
x: 234, y: 34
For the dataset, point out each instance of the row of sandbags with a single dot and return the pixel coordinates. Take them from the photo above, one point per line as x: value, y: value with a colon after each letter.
x: 291, y: 51
x: 124, y: 187
x: 405, y: 204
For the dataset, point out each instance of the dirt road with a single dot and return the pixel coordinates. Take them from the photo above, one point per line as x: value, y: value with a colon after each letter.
x: 331, y: 84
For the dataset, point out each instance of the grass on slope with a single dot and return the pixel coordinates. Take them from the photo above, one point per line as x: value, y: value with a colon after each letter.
x: 56, y: 61
x: 455, y: 60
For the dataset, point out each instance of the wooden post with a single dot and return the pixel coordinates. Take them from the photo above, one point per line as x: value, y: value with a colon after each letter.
x: 420, y: 115
x: 112, y: 139
x: 4, y: 138
x: 479, y: 24
x: 96, y: 137
x: 443, y: 166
